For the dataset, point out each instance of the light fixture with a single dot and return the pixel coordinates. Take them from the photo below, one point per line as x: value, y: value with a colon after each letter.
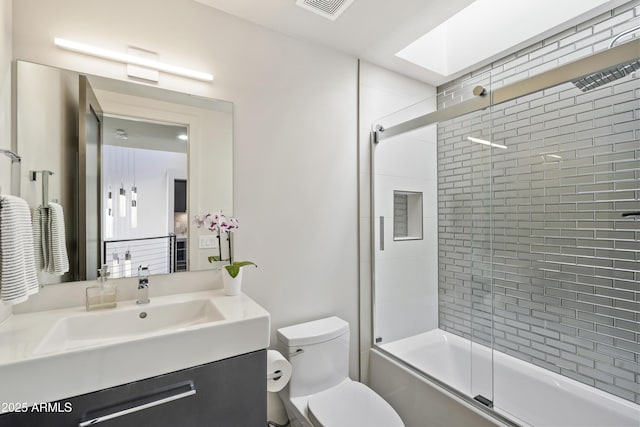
x: 484, y: 142
x: 109, y: 216
x: 134, y: 207
x: 130, y: 59
x: 109, y: 225
x: 122, y: 202
x: 127, y: 264
x: 134, y: 197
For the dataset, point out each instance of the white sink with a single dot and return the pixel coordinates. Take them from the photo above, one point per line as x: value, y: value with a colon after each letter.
x: 101, y: 327
x: 52, y: 355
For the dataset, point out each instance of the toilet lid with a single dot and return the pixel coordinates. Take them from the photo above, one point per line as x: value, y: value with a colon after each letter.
x: 351, y: 404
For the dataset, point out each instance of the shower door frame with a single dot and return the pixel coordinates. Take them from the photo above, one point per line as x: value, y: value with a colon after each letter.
x: 565, y: 73
x: 484, y: 99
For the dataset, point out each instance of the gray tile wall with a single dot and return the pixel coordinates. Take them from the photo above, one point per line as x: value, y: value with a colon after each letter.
x: 533, y: 253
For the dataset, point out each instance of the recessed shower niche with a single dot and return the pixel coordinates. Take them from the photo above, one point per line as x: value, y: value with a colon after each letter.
x: 407, y: 215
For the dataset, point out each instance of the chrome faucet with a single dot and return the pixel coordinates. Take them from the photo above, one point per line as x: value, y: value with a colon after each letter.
x: 143, y: 284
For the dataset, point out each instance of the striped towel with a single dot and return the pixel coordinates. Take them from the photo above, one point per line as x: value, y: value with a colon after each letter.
x: 18, y: 277
x: 40, y: 220
x: 58, y: 263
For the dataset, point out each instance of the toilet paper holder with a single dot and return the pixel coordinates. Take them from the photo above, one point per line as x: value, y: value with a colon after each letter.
x: 278, y: 371
x: 275, y: 375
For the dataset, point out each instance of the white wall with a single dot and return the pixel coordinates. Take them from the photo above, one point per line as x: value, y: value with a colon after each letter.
x: 295, y: 157
x: 5, y: 107
x: 50, y: 97
x: 406, y: 272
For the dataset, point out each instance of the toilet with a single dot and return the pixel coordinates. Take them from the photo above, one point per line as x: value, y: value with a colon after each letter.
x: 320, y: 393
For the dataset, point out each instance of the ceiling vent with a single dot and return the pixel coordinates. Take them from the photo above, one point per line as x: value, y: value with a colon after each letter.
x: 330, y: 9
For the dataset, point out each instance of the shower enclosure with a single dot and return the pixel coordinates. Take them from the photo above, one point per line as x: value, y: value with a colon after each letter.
x: 506, y: 238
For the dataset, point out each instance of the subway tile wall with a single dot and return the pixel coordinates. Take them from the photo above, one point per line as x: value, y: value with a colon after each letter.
x: 534, y: 255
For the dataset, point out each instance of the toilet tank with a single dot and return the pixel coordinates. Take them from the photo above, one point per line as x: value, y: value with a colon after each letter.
x: 318, y: 352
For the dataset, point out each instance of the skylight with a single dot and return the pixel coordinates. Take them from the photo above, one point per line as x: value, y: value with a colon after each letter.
x: 487, y: 29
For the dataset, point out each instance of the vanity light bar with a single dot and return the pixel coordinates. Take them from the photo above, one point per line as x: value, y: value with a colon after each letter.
x: 130, y: 59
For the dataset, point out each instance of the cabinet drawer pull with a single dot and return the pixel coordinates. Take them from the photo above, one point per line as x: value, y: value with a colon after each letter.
x: 96, y: 420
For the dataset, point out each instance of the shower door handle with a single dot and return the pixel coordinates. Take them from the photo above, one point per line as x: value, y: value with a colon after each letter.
x: 382, y: 233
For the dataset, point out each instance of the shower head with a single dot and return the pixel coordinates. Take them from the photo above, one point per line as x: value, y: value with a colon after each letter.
x: 600, y: 78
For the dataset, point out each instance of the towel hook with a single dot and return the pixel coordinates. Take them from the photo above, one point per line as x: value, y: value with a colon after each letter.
x: 15, y: 171
x: 33, y: 176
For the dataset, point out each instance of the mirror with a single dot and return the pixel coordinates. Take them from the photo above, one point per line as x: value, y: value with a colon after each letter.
x: 144, y: 178
x: 175, y: 149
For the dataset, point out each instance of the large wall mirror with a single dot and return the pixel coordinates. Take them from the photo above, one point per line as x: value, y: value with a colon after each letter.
x: 129, y: 166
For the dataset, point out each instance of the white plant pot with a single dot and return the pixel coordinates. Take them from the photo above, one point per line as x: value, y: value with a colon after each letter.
x: 232, y: 285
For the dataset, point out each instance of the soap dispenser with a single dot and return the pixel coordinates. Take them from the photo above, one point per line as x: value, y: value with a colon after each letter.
x: 104, y: 294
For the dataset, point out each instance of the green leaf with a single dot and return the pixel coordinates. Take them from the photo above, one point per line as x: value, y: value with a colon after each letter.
x: 234, y: 269
x: 243, y: 263
x: 216, y: 258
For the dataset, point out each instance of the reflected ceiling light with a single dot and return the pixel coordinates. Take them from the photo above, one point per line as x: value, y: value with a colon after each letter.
x: 484, y: 142
x: 183, y: 137
x: 550, y: 157
x: 130, y: 59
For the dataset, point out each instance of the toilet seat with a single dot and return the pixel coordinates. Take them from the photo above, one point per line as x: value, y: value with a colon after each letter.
x: 351, y: 404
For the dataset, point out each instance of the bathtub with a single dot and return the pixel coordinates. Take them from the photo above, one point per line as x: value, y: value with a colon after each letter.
x: 522, y: 392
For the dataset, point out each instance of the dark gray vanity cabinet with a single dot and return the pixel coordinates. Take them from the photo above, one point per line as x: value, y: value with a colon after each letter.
x: 230, y: 393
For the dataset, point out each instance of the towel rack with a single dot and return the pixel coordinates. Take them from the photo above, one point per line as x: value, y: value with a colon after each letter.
x: 33, y: 176
x: 15, y: 171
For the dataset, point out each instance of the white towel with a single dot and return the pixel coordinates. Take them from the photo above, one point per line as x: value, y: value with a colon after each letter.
x: 40, y: 220
x: 56, y: 247
x: 18, y: 277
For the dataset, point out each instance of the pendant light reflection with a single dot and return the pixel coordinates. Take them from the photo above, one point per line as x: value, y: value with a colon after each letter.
x: 109, y: 216
x: 127, y: 264
x: 134, y: 196
x: 134, y: 207
x: 122, y: 202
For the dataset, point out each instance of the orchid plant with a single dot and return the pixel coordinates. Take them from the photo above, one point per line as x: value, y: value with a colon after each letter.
x: 219, y: 224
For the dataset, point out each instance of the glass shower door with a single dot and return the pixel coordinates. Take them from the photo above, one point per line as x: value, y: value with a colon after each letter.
x: 405, y: 237
x: 565, y: 233
x: 466, y: 150
x: 431, y: 245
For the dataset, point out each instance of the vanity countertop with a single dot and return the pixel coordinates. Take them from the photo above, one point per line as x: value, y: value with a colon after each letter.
x: 32, y: 373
